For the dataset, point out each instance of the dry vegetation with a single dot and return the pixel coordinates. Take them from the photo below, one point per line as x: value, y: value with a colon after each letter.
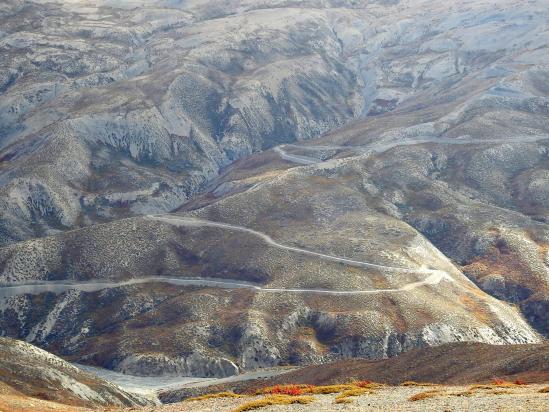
x: 274, y: 400
x: 344, y: 396
x: 468, y: 392
x: 412, y: 383
x: 501, y: 392
x: 494, y: 388
x: 293, y: 393
x: 498, y: 383
x: 425, y: 395
x: 292, y: 390
x: 343, y: 400
x: 214, y: 396
x: 302, y: 389
x: 475, y: 387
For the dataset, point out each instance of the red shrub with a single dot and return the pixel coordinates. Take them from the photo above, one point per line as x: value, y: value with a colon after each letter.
x: 520, y: 382
x: 292, y: 390
x: 363, y: 384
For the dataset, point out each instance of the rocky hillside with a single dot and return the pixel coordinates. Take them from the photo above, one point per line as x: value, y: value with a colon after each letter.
x: 343, y: 179
x: 118, y: 108
x: 38, y: 374
x: 304, y: 268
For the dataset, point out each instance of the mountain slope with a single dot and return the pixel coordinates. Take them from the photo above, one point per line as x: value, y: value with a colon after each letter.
x: 422, y: 203
x: 329, y: 235
x: 125, y: 109
x: 33, y: 372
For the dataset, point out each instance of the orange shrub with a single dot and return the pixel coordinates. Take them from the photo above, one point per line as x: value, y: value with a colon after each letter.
x: 292, y: 390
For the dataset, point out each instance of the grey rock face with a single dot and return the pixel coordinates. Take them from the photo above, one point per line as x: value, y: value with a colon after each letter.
x: 192, y: 365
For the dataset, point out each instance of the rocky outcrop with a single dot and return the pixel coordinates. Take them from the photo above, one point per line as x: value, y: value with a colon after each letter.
x: 195, y: 364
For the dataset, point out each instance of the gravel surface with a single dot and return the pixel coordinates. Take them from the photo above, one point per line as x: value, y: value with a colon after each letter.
x: 523, y: 398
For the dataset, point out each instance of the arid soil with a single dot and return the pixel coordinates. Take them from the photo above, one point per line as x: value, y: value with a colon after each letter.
x: 453, y: 398
x: 389, y: 398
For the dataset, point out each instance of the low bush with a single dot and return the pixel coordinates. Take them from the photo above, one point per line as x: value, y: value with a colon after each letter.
x: 355, y: 388
x: 291, y: 389
x: 343, y: 400
x: 274, y: 400
x: 500, y: 392
x: 367, y: 384
x: 468, y: 392
x: 327, y: 389
x: 345, y: 395
x: 424, y: 395
x: 502, y: 383
x: 480, y: 386
x: 297, y: 390
x: 214, y: 396
x: 413, y: 383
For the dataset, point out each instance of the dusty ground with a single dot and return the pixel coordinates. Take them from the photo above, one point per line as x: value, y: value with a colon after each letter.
x: 396, y: 398
x: 388, y: 398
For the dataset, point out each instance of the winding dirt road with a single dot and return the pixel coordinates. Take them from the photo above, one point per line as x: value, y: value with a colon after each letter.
x: 433, y: 276
x: 56, y: 287
x: 194, y: 222
x: 304, y: 160
x: 382, y: 146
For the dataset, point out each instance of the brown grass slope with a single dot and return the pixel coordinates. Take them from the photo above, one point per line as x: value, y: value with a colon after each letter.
x: 454, y: 363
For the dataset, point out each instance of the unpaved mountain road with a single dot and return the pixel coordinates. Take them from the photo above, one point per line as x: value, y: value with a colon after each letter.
x: 194, y: 222
x: 433, y: 276
x: 7, y: 291
x: 383, y: 146
x: 304, y: 160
